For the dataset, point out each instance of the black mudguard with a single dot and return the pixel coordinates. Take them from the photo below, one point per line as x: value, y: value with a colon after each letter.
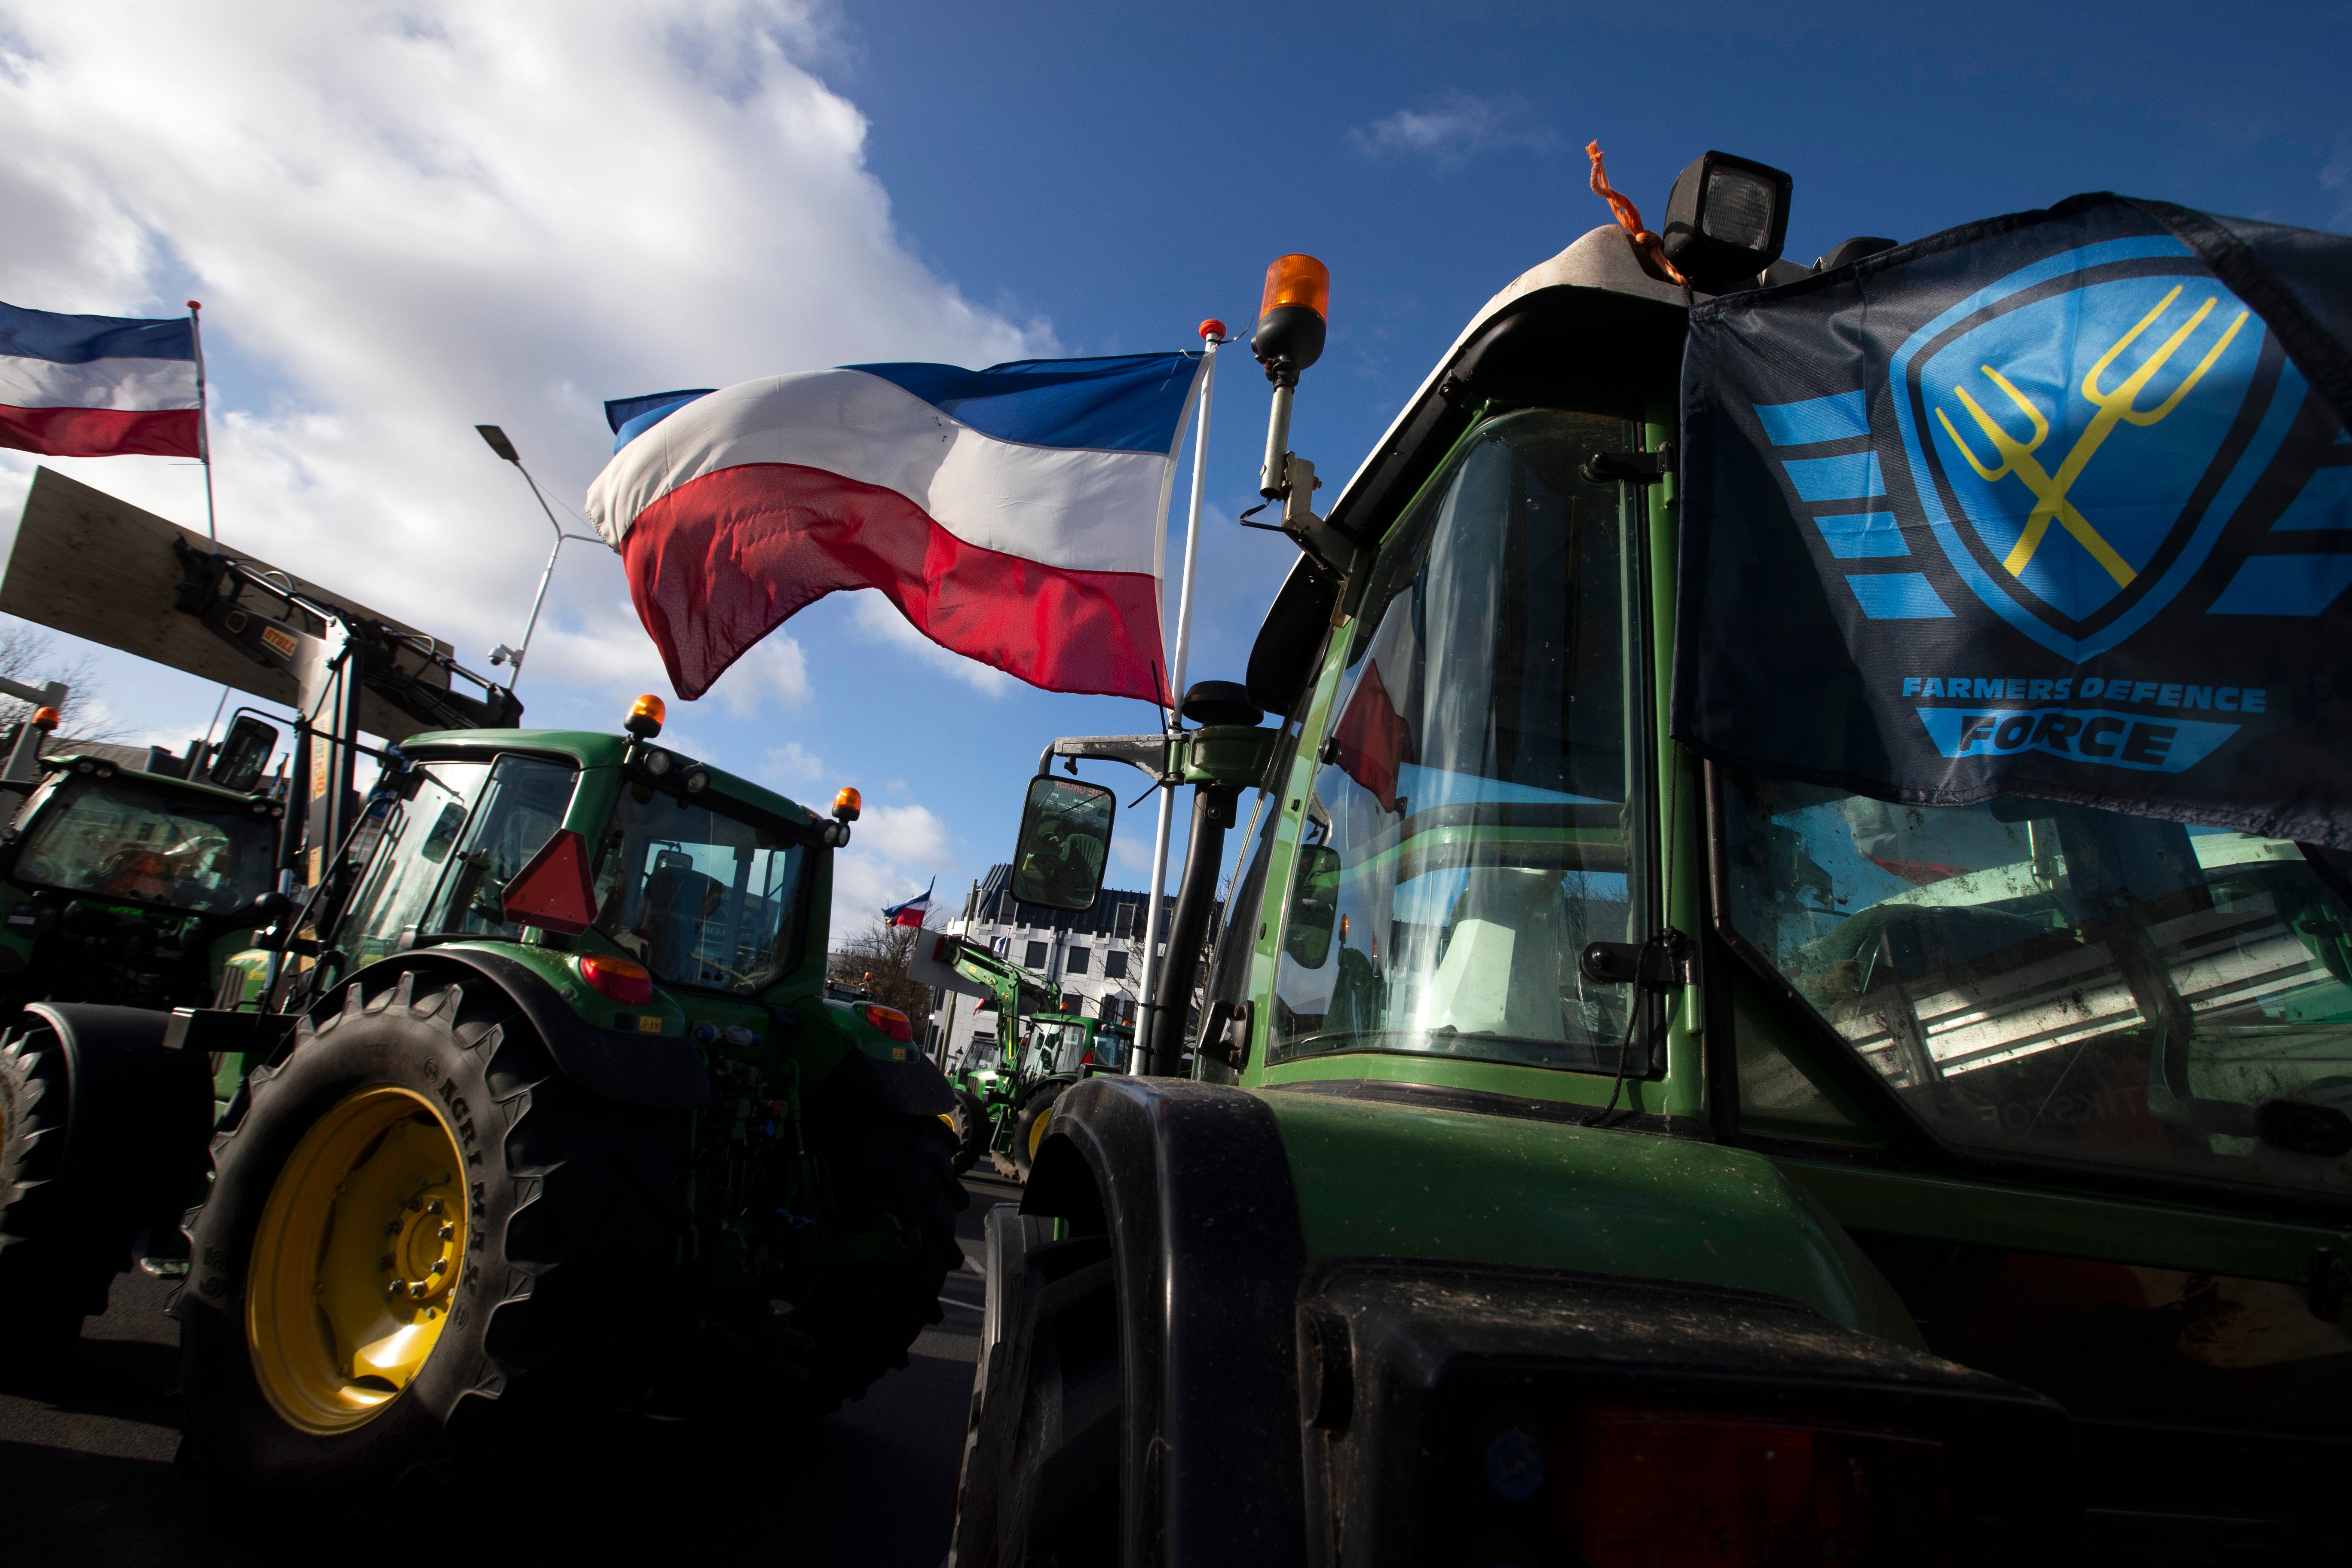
x: 915, y: 1087
x: 664, y: 1072
x: 1191, y: 1182
x: 138, y: 1114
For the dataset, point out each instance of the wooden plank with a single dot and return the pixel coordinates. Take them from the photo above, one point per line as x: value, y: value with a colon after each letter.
x: 95, y: 566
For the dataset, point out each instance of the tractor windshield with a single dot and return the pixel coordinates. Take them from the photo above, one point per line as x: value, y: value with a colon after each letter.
x: 1472, y: 826
x: 118, y: 837
x: 703, y: 893
x: 2050, y: 980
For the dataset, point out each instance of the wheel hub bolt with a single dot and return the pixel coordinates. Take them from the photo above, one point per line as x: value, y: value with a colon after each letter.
x: 395, y: 1288
x: 449, y: 1232
x: 419, y: 1290
x: 433, y: 1207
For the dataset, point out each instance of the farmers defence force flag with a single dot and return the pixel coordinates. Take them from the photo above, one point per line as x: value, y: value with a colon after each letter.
x: 2057, y: 504
x: 98, y: 387
x: 1015, y: 515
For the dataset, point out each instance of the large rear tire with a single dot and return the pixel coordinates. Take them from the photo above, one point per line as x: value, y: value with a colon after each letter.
x: 1040, y: 1487
x: 78, y: 1180
x: 1030, y: 1123
x: 411, y: 1253
x: 887, y: 1178
x: 973, y: 1128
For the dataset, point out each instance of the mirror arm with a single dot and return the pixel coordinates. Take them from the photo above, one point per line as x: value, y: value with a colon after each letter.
x: 1146, y: 753
x: 1212, y: 814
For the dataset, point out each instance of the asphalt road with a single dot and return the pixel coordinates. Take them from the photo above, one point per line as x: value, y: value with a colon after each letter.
x: 86, y: 1471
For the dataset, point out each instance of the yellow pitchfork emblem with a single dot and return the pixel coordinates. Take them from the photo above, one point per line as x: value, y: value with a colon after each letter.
x: 2050, y: 490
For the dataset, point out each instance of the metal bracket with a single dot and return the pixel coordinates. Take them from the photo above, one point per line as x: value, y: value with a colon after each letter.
x: 1629, y: 467
x: 1147, y: 753
x: 1662, y: 961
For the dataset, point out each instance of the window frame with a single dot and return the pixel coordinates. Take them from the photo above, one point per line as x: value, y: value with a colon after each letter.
x: 1320, y: 710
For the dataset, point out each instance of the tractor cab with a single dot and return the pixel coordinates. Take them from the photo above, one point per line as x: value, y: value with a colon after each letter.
x: 128, y: 887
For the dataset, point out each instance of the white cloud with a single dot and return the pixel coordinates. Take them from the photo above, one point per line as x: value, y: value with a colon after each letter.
x: 405, y: 219
x: 794, y: 770
x: 1449, y: 132
x: 906, y: 833
x: 878, y: 619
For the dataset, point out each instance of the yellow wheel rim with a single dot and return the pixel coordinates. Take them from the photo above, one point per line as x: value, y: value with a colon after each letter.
x: 949, y: 1121
x: 358, y: 1253
x: 1037, y: 1130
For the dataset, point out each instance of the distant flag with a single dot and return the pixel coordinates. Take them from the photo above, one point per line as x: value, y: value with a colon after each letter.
x: 100, y: 387
x: 912, y: 911
x: 1016, y: 515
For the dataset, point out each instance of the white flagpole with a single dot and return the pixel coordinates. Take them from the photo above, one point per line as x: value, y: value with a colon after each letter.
x: 204, y: 421
x: 1214, y: 331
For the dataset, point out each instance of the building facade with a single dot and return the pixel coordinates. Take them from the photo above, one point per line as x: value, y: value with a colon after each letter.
x: 1095, y: 958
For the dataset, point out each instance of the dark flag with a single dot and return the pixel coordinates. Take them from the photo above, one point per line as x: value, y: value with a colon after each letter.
x: 2057, y: 504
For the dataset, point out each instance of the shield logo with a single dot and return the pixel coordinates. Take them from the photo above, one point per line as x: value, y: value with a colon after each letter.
x: 2068, y: 429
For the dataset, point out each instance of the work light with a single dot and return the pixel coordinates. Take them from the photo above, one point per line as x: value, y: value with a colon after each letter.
x: 1726, y: 221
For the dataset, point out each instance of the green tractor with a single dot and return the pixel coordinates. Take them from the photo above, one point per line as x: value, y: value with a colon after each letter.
x: 1058, y: 1050
x: 123, y: 891
x: 1594, y: 1156
x: 541, y: 1109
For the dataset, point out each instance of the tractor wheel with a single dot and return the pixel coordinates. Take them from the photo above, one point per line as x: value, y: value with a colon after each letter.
x: 50, y: 1278
x: 422, y: 1241
x: 79, y: 1183
x: 1030, y: 1125
x: 1041, y: 1470
x: 972, y: 1131
x: 886, y: 1177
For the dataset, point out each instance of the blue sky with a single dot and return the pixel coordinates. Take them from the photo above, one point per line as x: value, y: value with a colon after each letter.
x: 408, y: 219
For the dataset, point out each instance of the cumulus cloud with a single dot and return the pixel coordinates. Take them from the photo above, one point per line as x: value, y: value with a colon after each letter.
x: 1449, y: 132
x: 406, y: 219
x: 894, y: 853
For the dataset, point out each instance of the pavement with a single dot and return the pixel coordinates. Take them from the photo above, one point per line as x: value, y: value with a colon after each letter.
x: 86, y: 1476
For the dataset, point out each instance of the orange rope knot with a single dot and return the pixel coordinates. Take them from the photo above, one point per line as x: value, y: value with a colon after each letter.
x: 1629, y: 218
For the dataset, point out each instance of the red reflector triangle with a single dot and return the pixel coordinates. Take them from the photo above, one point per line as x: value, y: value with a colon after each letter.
x: 553, y: 890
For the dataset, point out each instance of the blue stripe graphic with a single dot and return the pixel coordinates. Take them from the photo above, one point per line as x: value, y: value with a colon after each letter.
x: 1129, y: 403
x: 631, y: 417
x: 77, y: 340
x: 1862, y: 535
x: 1897, y: 596
x: 1853, y: 477
x: 2284, y: 585
x: 1837, y: 418
x: 2326, y: 502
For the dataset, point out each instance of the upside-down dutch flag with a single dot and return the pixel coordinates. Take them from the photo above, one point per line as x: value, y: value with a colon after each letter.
x: 98, y: 387
x: 914, y: 911
x: 1016, y: 515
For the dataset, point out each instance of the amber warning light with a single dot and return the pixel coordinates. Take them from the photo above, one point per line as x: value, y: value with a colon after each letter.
x: 45, y: 718
x: 1291, y: 317
x: 645, y: 716
x: 847, y: 803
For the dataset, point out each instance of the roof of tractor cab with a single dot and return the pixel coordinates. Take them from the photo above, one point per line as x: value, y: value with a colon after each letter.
x: 592, y: 749
x: 1587, y: 328
x: 63, y: 761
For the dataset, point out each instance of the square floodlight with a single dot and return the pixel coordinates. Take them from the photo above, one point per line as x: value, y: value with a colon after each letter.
x: 1726, y: 221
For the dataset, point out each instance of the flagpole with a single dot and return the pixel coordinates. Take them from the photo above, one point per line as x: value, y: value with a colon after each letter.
x: 1146, y: 1045
x: 204, y: 421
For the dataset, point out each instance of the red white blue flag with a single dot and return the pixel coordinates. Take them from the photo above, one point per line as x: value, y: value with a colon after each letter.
x: 98, y: 387
x: 912, y: 911
x: 1016, y: 515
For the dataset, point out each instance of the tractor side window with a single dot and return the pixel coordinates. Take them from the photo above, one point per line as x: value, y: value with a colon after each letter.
x: 124, y: 838
x: 410, y: 857
x: 1475, y: 822
x: 518, y: 812
x: 702, y: 896
x: 2050, y: 980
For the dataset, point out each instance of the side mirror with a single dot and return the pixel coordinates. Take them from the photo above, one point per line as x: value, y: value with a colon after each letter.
x: 1064, y: 842
x: 267, y: 909
x: 1314, y: 908
x: 244, y: 753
